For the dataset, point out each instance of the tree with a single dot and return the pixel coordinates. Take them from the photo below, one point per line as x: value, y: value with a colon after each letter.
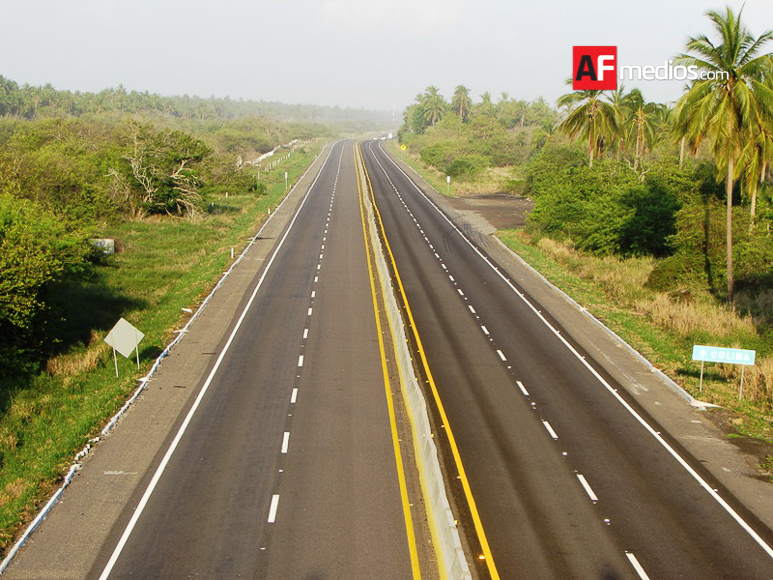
x: 161, y: 175
x: 640, y: 124
x: 461, y: 102
x: 486, y: 106
x: 723, y: 106
x: 433, y: 104
x: 591, y: 118
x: 756, y: 156
x: 36, y: 249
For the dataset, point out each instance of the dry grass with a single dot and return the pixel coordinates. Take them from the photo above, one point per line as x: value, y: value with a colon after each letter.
x: 561, y: 253
x: 75, y: 363
x: 12, y: 491
x: 689, y: 318
x: 621, y: 280
x: 760, y: 306
x: 758, y: 380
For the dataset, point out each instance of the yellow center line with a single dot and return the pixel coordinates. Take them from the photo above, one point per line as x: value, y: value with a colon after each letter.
x: 390, y: 404
x: 444, y: 418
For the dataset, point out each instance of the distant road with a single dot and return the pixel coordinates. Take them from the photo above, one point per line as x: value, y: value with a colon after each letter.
x: 571, y: 479
x: 286, y: 468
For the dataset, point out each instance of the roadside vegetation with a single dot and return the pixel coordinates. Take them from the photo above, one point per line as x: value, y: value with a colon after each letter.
x: 176, y: 189
x: 656, y: 218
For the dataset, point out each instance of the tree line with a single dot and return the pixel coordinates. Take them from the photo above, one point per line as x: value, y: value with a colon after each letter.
x: 619, y: 175
x: 30, y: 102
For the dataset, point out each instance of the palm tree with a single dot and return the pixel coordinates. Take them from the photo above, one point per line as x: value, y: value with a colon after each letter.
x: 682, y: 131
x: 641, y: 119
x: 433, y: 105
x: 461, y: 102
x: 591, y: 118
x: 756, y: 156
x: 486, y: 106
x: 724, y: 109
x: 616, y: 98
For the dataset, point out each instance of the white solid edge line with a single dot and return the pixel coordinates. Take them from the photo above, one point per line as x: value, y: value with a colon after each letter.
x: 686, y: 466
x: 272, y: 510
x: 587, y: 487
x: 636, y: 566
x: 162, y: 466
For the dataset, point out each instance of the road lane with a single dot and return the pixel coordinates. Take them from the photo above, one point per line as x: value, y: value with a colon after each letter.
x: 593, y: 495
x: 286, y: 469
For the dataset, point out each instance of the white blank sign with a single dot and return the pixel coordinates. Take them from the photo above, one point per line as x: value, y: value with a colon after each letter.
x: 124, y: 338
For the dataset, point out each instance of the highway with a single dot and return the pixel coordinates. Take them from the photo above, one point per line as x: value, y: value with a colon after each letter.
x: 285, y: 465
x: 567, y: 476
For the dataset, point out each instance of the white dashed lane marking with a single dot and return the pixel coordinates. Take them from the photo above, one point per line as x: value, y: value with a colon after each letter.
x: 285, y: 441
x: 272, y: 510
x: 587, y: 488
x: 636, y: 566
x: 550, y: 429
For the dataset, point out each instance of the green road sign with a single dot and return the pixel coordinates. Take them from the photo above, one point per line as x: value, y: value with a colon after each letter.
x: 718, y: 354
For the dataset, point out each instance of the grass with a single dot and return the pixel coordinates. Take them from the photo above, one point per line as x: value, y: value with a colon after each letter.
x: 664, y: 327
x: 166, y: 264
x: 490, y: 180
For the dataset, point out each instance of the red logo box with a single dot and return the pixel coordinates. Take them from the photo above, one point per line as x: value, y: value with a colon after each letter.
x: 594, y: 68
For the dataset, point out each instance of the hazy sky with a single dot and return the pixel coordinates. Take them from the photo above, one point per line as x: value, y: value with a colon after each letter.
x: 357, y: 53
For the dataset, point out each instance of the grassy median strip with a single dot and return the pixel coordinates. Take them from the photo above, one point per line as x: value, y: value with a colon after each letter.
x: 165, y: 265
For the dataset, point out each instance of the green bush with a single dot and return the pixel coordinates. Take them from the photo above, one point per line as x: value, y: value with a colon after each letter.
x: 36, y: 250
x: 467, y: 166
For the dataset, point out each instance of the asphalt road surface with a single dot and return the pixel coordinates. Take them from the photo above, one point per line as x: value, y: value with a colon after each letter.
x: 286, y: 469
x: 570, y: 478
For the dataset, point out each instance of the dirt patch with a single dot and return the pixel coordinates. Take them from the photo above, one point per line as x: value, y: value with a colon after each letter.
x: 756, y: 451
x: 501, y: 210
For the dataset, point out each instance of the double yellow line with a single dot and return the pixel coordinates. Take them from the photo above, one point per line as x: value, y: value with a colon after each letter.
x: 390, y: 403
x: 489, y: 559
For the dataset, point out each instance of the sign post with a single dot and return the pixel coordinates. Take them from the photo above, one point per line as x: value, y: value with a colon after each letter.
x: 124, y: 338
x: 718, y: 354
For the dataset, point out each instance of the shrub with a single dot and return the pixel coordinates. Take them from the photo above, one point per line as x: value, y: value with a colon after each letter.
x: 36, y: 249
x: 467, y: 166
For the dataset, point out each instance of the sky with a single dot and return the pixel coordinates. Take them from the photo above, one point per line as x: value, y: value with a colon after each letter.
x: 350, y: 53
